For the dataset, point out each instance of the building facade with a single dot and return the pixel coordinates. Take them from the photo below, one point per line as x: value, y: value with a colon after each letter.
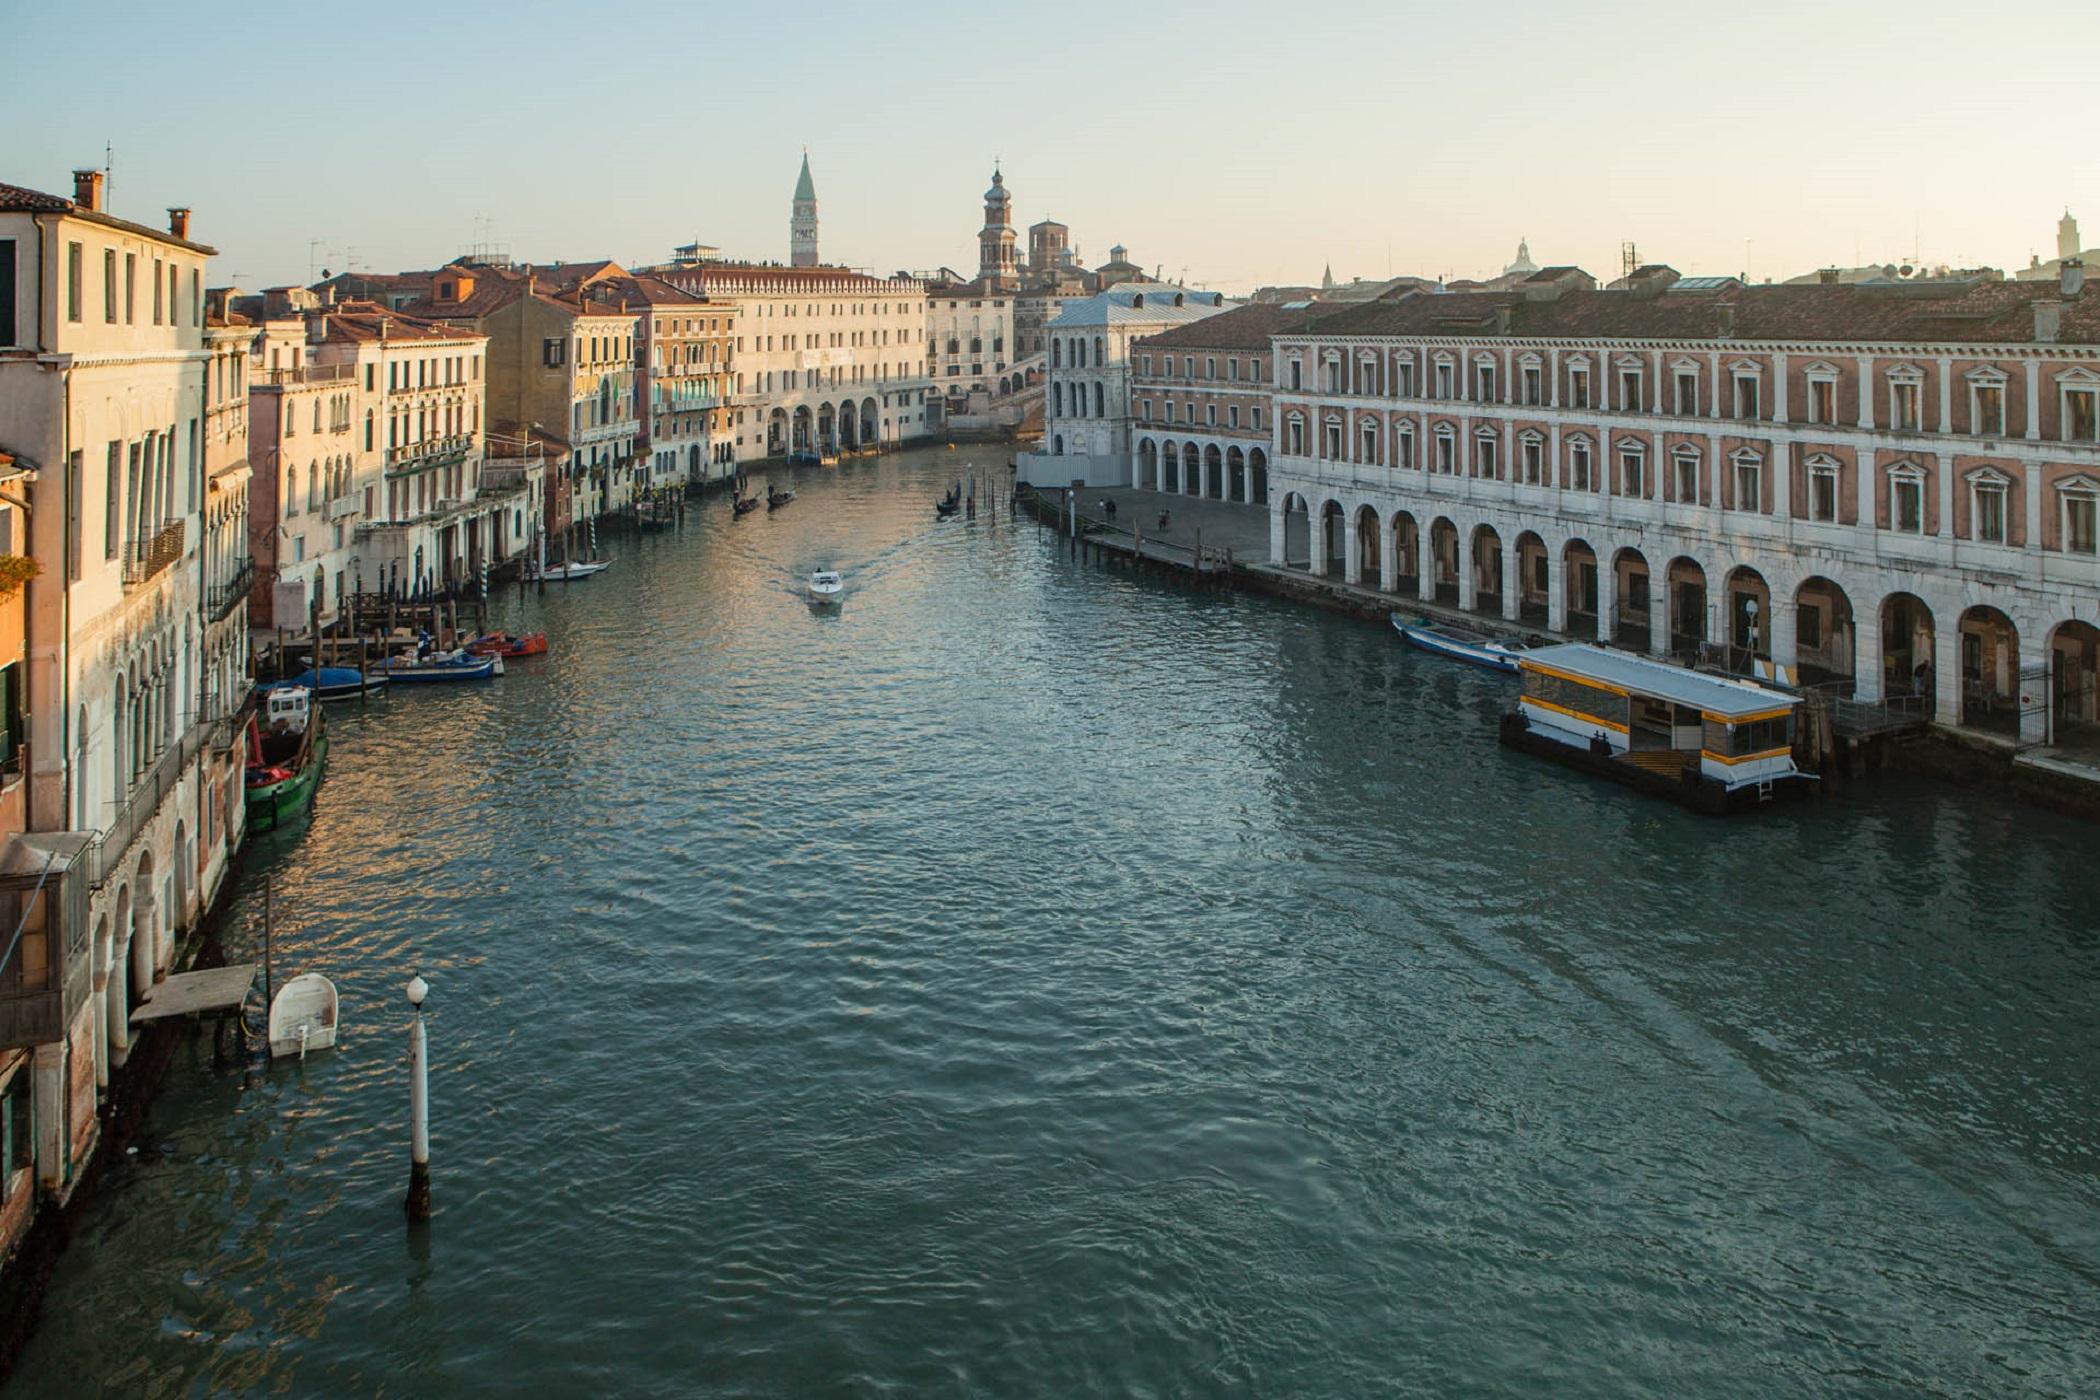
x: 1893, y: 491
x: 1087, y: 414
x: 1201, y: 404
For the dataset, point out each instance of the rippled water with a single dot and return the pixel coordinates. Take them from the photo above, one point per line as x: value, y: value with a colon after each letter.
x: 1034, y: 980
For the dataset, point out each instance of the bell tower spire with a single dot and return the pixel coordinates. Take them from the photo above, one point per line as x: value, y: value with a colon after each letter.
x: 802, y: 227
x: 995, y: 241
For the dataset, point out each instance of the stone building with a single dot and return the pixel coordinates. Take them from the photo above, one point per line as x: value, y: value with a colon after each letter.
x: 115, y: 788
x: 802, y: 223
x: 1087, y: 417
x: 1892, y: 490
x: 1201, y: 400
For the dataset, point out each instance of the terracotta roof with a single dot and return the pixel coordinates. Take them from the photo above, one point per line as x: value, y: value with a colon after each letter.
x: 22, y: 199
x: 704, y: 273
x: 1244, y: 328
x: 358, y: 322
x: 1946, y: 312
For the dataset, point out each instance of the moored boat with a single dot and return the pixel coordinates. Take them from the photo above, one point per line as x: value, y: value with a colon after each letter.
x: 1462, y: 644
x: 442, y: 668
x: 303, y: 1016
x: 1713, y: 743
x: 331, y: 683
x: 508, y: 645
x: 571, y: 571
x: 287, y: 753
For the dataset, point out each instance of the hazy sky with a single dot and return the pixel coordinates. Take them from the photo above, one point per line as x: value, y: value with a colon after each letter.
x: 1244, y: 143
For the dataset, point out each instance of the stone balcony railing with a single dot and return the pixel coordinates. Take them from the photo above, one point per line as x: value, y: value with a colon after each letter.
x: 145, y: 558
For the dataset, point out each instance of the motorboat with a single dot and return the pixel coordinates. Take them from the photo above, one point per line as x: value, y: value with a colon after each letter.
x: 287, y: 754
x: 572, y: 570
x: 508, y: 645
x: 303, y: 1016
x: 331, y: 683
x: 776, y: 499
x: 439, y: 668
x: 826, y: 587
x: 1497, y: 653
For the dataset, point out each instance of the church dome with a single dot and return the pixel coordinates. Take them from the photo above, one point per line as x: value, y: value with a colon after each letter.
x: 997, y: 193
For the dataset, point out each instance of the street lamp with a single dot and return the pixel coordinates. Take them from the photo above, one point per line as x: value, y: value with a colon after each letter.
x: 417, y: 1205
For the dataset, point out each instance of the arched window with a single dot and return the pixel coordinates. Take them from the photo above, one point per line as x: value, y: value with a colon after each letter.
x: 291, y: 491
x: 1099, y: 357
x: 1057, y: 354
x: 1099, y: 412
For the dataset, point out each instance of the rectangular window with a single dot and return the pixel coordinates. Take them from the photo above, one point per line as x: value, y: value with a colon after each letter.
x: 1232, y: 368
x: 1443, y: 381
x: 76, y: 484
x: 1749, y: 485
x: 1533, y: 385
x: 1746, y: 396
x: 1633, y: 472
x: 552, y: 350
x: 1987, y: 410
x: 109, y: 285
x: 156, y: 291
x: 1990, y: 512
x: 1578, y: 388
x: 1404, y: 378
x: 1210, y: 413
x: 2081, y: 517
x: 109, y: 506
x: 1687, y: 393
x: 73, y: 280
x: 1484, y: 382
x: 1907, y: 504
x: 1579, y: 466
x: 1145, y: 410
x: 1232, y: 416
x: 1630, y: 390
x: 131, y: 289
x: 1823, y: 494
x: 1257, y: 415
x: 1145, y: 363
x: 1484, y: 459
x: 1534, y: 458
x: 7, y: 292
x: 1822, y: 401
x: 1687, y: 478
x: 2082, y: 415
x: 1210, y: 367
x: 1443, y: 454
x: 1903, y: 407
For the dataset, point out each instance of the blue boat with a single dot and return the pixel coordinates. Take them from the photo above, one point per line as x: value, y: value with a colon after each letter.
x: 1461, y: 644
x: 333, y: 683
x: 438, y: 670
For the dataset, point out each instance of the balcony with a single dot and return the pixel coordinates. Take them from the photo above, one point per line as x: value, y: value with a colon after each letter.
x: 44, y: 895
x: 432, y: 452
x: 342, y: 507
x: 144, y: 559
x: 220, y: 598
x: 312, y: 374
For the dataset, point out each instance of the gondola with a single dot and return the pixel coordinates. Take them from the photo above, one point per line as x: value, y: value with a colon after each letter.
x: 776, y: 499
x: 746, y: 505
x: 948, y: 504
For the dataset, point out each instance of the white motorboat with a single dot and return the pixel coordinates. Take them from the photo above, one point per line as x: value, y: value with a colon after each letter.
x: 826, y: 586
x: 567, y: 573
x: 302, y: 1017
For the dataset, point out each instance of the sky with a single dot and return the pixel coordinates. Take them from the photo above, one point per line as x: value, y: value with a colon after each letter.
x: 1228, y: 143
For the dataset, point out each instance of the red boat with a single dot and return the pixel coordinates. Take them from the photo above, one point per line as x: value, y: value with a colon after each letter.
x: 507, y: 645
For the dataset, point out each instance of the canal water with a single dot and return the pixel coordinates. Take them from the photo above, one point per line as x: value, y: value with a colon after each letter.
x: 1039, y: 980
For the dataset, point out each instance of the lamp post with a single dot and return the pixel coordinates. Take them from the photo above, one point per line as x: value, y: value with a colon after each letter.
x: 418, y: 1202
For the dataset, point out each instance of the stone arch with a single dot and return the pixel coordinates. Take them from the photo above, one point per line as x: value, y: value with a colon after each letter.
x: 1684, y: 593
x: 2074, y: 676
x: 1258, y: 476
x: 1329, y: 540
x: 1632, y: 600
x: 1235, y: 475
x: 1293, y: 530
x: 803, y: 428
x: 1990, y: 669
x: 849, y: 425
x: 778, y: 437
x: 1824, y: 633
x: 1748, y: 617
x: 1488, y: 566
x: 1909, y: 665
x: 1148, y: 465
x: 1443, y: 559
x: 870, y: 424
x: 1533, y: 580
x: 1406, y: 535
x: 1191, y: 469
x: 123, y: 988
x: 145, y: 924
x: 179, y: 914
x: 1213, y: 473
x: 1368, y: 533
x: 1170, y: 467
x: 1579, y: 589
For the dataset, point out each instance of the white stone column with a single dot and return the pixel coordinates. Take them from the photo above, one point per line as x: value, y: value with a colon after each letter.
x: 1425, y: 567
x: 1607, y: 597
x: 1943, y: 473
x: 98, y: 1038
x: 1866, y: 659
x: 1782, y: 481
x: 1388, y: 558
x: 1658, y: 612
x: 1352, y: 551
x: 1866, y: 390
x: 1946, y: 668
x: 1276, y: 535
x: 1780, y: 630
x: 1468, y: 578
x: 1557, y: 593
x: 1316, y: 540
x: 2032, y: 686
x: 2034, y: 401
x: 1512, y: 583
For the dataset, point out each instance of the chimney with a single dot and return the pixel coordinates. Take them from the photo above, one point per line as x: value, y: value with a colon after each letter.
x: 87, y: 190
x: 2048, y: 319
x: 2071, y: 276
x: 179, y: 223
x: 1828, y: 277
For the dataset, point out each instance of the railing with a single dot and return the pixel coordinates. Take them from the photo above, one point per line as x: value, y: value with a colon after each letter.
x: 147, y: 794
x: 342, y: 506
x: 145, y: 558
x: 313, y: 374
x: 220, y: 598
x: 428, y: 452
x: 501, y: 473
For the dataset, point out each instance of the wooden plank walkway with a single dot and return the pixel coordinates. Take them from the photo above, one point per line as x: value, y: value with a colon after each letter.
x: 218, y: 989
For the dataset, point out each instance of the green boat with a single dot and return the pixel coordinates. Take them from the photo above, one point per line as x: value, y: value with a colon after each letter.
x: 287, y: 752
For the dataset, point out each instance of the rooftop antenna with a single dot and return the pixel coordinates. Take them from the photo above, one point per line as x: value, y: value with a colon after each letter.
x: 109, y: 165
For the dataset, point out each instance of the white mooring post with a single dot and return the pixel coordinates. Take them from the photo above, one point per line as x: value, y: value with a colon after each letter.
x: 418, y: 1202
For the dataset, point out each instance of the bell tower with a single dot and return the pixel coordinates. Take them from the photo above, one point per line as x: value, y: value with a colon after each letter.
x: 2067, y: 236
x: 995, y: 241
x: 802, y: 227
